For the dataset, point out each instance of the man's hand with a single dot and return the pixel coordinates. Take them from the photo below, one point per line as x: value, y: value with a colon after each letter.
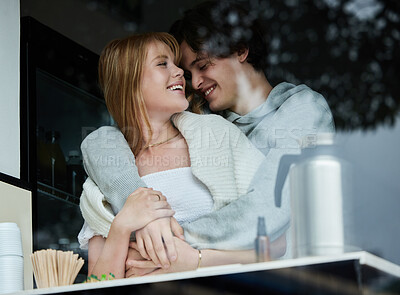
x: 155, y: 240
x: 177, y: 230
x: 187, y: 260
x: 130, y: 271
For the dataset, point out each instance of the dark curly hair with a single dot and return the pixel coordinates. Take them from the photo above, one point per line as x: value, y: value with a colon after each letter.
x: 221, y: 28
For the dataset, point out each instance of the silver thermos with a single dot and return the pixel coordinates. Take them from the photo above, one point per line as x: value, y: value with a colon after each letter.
x: 320, y: 191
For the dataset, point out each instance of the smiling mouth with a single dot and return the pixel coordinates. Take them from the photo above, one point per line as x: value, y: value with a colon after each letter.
x: 175, y: 87
x: 209, y: 90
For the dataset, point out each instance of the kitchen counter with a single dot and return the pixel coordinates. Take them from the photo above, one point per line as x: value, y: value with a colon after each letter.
x: 349, y: 273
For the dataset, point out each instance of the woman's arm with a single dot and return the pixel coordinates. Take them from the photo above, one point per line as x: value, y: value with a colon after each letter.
x: 221, y: 257
x: 109, y: 255
x: 189, y: 259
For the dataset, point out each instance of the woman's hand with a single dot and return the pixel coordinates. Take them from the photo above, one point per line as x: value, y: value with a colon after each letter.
x: 155, y: 241
x: 188, y: 259
x: 143, y: 206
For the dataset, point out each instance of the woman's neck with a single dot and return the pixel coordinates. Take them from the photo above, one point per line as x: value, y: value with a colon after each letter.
x: 162, y: 131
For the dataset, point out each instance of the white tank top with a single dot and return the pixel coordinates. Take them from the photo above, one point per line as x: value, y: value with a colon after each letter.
x: 187, y: 195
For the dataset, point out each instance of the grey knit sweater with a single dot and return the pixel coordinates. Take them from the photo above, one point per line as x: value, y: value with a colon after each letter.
x: 275, y: 128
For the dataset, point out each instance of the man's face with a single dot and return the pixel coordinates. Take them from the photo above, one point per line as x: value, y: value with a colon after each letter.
x: 214, y: 78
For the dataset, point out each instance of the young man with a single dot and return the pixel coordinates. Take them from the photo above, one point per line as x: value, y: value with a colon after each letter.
x: 224, y: 56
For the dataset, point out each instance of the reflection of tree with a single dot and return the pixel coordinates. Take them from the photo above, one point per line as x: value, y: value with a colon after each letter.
x: 346, y: 49
x: 127, y: 11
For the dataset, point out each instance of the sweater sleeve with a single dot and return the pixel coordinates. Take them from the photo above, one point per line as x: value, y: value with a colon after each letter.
x: 110, y: 163
x: 234, y: 227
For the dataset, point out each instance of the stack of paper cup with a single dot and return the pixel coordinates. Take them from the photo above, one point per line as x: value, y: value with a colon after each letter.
x: 11, y: 258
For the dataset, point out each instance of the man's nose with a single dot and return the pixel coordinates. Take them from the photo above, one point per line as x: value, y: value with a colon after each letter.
x: 197, y: 81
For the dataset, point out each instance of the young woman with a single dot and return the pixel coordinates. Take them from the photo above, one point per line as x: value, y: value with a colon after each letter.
x: 204, y: 165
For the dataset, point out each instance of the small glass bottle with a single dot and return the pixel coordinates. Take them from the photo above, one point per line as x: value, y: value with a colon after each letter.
x: 262, y: 242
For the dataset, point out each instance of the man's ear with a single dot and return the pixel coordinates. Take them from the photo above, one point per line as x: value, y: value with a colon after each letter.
x: 243, y: 53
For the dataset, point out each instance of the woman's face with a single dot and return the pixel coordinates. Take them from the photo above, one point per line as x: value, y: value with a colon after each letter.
x: 163, y: 84
x: 214, y: 79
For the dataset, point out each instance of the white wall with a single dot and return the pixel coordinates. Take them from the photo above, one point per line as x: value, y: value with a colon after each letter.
x: 9, y: 88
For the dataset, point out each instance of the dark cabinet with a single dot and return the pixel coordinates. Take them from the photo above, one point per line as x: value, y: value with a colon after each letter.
x: 60, y: 104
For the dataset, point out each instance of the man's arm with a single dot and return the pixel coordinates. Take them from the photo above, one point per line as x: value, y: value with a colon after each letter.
x: 109, y: 161
x: 234, y: 226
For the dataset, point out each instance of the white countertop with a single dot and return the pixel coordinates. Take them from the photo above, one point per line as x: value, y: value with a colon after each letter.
x: 364, y: 258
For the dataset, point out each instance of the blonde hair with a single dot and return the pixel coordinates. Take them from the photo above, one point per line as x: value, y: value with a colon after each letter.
x: 197, y: 103
x: 120, y: 74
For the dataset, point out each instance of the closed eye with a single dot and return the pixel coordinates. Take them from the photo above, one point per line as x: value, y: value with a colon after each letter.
x: 206, y: 62
x: 203, y: 67
x: 164, y: 63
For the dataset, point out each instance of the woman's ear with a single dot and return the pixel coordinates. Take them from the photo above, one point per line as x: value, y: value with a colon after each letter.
x: 243, y: 53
